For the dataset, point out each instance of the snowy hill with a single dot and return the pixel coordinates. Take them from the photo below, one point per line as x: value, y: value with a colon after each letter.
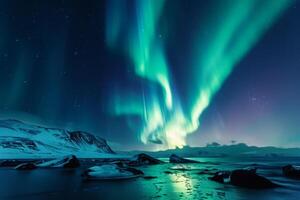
x: 22, y: 140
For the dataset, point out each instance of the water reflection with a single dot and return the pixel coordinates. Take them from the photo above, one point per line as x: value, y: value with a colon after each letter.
x: 182, y: 183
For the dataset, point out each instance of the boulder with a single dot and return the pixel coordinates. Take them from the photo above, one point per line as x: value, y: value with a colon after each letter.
x: 111, y: 172
x: 251, y: 169
x: 133, y: 170
x: 149, y: 177
x: 249, y: 179
x: 291, y: 171
x: 143, y: 159
x: 65, y: 162
x: 177, y: 159
x: 221, y: 176
x: 207, y: 172
x: 10, y: 163
x: 26, y: 166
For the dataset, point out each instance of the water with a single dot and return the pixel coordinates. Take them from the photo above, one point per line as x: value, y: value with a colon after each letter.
x: 68, y: 184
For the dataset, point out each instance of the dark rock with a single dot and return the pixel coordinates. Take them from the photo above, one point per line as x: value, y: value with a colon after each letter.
x: 291, y: 171
x: 220, y: 176
x: 119, y: 163
x: 26, y: 166
x: 149, y: 177
x: 249, y: 179
x: 207, y: 171
x: 176, y: 159
x: 143, y: 159
x: 133, y: 170
x: 168, y: 172
x: 65, y: 162
x: 251, y: 169
x: 72, y: 162
x: 10, y: 163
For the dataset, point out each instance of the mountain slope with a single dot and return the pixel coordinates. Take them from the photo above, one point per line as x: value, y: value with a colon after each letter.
x: 22, y: 140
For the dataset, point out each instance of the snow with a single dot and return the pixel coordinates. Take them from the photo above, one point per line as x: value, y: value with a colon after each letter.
x: 59, y: 162
x: 20, y: 140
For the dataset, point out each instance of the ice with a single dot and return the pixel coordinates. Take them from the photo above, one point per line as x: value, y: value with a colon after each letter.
x: 108, y: 171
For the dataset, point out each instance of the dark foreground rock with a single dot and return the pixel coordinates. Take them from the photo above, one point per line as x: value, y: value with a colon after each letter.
x: 65, y: 162
x: 244, y: 178
x: 291, y: 171
x: 221, y: 176
x: 26, y: 166
x: 149, y: 177
x: 143, y: 159
x: 249, y: 179
x: 111, y: 172
x: 133, y: 170
x: 10, y: 163
x: 207, y: 172
x: 177, y: 159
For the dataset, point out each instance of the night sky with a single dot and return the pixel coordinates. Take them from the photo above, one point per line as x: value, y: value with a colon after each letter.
x: 155, y: 74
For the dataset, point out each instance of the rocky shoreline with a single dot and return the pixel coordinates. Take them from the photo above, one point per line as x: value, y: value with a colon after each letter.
x: 127, y: 168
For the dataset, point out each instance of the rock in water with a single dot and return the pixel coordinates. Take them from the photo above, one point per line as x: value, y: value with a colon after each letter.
x: 220, y: 177
x: 65, y: 162
x: 149, y: 177
x: 143, y: 159
x: 111, y: 172
x: 133, y: 170
x: 291, y: 171
x: 249, y: 179
x: 177, y: 159
x: 10, y: 163
x: 26, y: 166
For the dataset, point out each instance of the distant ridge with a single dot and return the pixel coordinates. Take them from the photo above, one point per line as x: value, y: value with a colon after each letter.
x: 233, y: 150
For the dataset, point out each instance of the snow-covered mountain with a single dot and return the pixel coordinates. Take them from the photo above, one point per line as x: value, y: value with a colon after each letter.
x: 22, y: 140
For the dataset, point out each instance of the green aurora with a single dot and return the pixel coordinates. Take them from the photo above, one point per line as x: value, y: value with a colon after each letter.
x: 234, y: 28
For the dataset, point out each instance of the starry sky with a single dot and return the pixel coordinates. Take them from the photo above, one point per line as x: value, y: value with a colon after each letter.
x: 155, y: 74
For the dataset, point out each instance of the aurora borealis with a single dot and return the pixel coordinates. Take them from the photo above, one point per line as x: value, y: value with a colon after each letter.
x: 154, y: 74
x: 231, y: 39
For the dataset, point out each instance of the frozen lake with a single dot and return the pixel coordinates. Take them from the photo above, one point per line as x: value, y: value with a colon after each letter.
x: 170, y: 184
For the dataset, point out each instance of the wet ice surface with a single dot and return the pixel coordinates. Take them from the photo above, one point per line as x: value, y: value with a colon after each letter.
x: 169, y: 184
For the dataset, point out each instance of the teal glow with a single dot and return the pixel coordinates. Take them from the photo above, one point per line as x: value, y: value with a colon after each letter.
x: 20, y: 80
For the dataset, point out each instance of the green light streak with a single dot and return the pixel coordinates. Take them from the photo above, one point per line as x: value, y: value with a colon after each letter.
x: 115, y: 18
x: 145, y: 50
x: 143, y: 47
x: 245, y: 24
x: 20, y: 79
